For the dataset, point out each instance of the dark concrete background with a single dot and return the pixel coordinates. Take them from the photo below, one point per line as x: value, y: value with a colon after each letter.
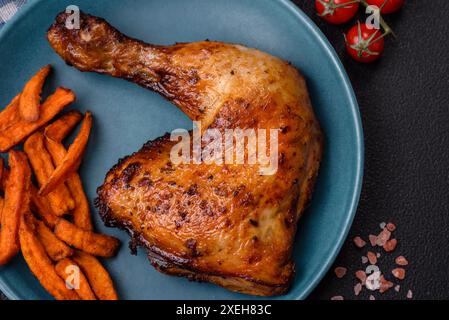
x: 404, y: 103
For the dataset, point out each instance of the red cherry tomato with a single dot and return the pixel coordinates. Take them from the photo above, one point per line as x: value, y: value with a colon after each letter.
x: 389, y: 7
x: 337, y: 11
x: 363, y: 44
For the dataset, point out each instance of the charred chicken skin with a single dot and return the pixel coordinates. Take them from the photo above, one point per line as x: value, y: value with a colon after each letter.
x: 222, y: 223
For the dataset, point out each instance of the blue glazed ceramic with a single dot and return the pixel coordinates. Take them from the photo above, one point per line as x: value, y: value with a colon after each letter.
x: 126, y: 116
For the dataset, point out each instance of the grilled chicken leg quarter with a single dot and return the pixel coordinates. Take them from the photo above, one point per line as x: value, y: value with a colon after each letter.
x: 226, y: 224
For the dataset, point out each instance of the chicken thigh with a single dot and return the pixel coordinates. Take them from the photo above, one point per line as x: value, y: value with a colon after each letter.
x: 226, y: 223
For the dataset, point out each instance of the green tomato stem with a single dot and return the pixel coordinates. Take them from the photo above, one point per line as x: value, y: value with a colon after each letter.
x: 383, y: 23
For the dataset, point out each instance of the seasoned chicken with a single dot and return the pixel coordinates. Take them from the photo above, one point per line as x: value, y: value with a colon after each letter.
x: 223, y: 223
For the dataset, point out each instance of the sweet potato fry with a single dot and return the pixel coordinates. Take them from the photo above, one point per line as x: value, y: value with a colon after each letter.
x: 72, y: 160
x: 40, y: 264
x: 64, y: 269
x: 21, y: 129
x: 16, y: 203
x: 60, y: 199
x: 55, y: 248
x: 81, y: 212
x: 59, y: 129
x: 30, y: 99
x: 2, y: 202
x: 2, y: 168
x: 99, y: 279
x: 93, y: 243
x: 10, y: 114
x: 42, y: 208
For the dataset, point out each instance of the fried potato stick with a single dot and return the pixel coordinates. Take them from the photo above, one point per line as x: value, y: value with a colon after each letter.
x: 72, y: 160
x: 93, y: 243
x: 39, y: 205
x: 2, y: 203
x: 99, y: 278
x: 65, y: 269
x: 55, y: 248
x: 81, y: 212
x: 42, y: 208
x: 2, y: 168
x: 30, y: 99
x: 21, y: 129
x: 10, y: 114
x: 60, y: 128
x: 60, y: 199
x: 40, y: 264
x: 16, y: 203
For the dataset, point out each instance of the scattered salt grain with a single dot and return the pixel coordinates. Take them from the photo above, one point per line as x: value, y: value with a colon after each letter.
x: 409, y: 294
x: 340, y: 272
x: 371, y: 297
x: 397, y: 288
x: 383, y: 237
x: 337, y: 298
x: 378, y: 255
x: 391, y: 226
x: 390, y: 245
x: 401, y: 261
x: 382, y: 225
x: 359, y: 242
x: 372, y: 258
x: 372, y: 240
x: 385, y: 285
x: 364, y: 260
x: 357, y: 289
x: 398, y: 273
x: 361, y: 275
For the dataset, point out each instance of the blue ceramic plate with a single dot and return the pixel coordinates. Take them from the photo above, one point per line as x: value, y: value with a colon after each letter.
x: 126, y: 116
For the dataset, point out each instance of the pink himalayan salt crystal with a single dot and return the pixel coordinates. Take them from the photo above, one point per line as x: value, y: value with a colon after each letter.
x: 340, y: 272
x: 372, y: 240
x: 401, y: 261
x: 383, y: 237
x: 357, y: 289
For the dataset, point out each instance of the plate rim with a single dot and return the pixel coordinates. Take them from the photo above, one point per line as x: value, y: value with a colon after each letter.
x: 359, y: 136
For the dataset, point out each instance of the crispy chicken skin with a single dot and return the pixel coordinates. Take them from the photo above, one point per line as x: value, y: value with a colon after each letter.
x: 225, y: 224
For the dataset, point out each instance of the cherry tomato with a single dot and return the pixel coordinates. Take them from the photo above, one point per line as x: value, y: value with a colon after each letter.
x: 389, y: 7
x: 364, y: 44
x: 337, y: 11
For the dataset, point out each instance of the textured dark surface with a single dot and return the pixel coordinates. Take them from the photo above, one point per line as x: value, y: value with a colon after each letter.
x: 404, y: 103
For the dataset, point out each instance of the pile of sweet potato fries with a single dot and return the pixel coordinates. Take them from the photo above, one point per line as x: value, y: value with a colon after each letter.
x: 51, y: 225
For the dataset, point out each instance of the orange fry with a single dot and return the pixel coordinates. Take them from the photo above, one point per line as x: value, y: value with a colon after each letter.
x: 72, y: 160
x: 2, y: 168
x: 60, y: 199
x: 93, y: 243
x: 81, y: 212
x: 40, y: 264
x: 99, y: 278
x: 59, y: 129
x: 55, y: 248
x: 64, y: 269
x: 20, y: 129
x: 16, y: 203
x: 30, y: 99
x: 39, y: 205
x: 2, y: 203
x: 42, y: 208
x: 10, y: 114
